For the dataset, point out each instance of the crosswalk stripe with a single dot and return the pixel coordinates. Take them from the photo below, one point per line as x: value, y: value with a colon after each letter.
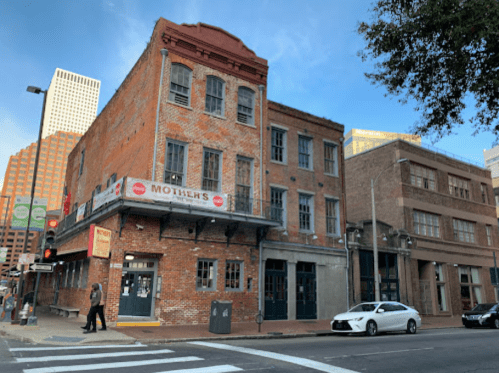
x: 214, y: 369
x: 272, y: 355
x: 89, y: 356
x: 124, y: 364
x: 73, y: 347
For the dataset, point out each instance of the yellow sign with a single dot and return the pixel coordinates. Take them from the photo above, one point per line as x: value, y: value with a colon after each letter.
x: 99, y: 242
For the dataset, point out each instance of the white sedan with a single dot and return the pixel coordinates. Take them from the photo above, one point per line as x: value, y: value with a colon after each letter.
x: 374, y: 317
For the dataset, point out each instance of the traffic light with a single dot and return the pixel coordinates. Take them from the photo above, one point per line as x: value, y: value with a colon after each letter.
x: 50, y: 253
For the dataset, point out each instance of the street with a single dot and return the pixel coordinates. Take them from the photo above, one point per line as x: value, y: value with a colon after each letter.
x: 438, y: 350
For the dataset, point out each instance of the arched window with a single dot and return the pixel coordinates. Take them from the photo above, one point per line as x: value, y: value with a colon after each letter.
x: 245, y: 105
x: 180, y: 87
x: 215, y: 95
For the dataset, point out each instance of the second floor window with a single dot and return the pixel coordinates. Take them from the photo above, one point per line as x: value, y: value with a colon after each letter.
x: 330, y: 158
x: 332, y: 221
x: 306, y: 211
x: 426, y: 224
x: 214, y: 95
x: 422, y: 177
x: 245, y: 105
x: 180, y: 85
x: 459, y: 187
x: 278, y: 150
x: 277, y: 204
x: 304, y: 152
x: 175, y: 164
x: 243, y: 184
x: 211, y: 170
x: 464, y: 231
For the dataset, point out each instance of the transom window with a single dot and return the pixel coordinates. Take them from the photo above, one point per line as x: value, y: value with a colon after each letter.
x: 175, y: 163
x: 459, y: 187
x: 426, y: 224
x: 330, y: 151
x: 304, y: 152
x: 245, y: 105
x: 233, y: 275
x: 306, y: 209
x: 243, y: 184
x: 332, y: 216
x: 214, y: 95
x: 180, y: 85
x: 422, y: 177
x: 206, y: 274
x: 464, y: 231
x: 278, y: 149
x: 211, y: 170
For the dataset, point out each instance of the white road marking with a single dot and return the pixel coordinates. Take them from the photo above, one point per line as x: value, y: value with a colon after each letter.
x: 124, y: 364
x: 90, y: 356
x: 74, y: 347
x: 379, y: 353
x: 214, y: 369
x: 272, y: 355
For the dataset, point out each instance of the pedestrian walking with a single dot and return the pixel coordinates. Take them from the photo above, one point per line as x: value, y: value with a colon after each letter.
x: 100, y: 310
x: 95, y: 298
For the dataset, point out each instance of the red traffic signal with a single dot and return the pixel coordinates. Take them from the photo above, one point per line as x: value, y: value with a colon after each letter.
x: 52, y: 223
x: 49, y: 254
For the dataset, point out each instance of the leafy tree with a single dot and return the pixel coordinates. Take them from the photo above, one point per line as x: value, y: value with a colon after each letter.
x: 437, y: 52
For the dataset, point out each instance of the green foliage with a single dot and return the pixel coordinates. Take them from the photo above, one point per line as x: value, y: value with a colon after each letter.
x: 437, y: 52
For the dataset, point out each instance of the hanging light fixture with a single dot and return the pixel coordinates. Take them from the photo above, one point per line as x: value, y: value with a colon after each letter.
x: 129, y: 257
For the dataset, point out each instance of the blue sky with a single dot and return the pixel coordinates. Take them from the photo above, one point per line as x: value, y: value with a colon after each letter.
x: 311, y: 47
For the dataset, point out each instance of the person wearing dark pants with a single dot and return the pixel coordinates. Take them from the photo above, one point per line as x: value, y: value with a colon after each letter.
x: 95, y: 297
x: 100, y: 312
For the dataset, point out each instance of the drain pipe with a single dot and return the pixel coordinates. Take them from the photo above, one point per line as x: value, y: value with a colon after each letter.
x: 260, y: 289
x: 347, y: 271
x: 261, y: 88
x: 164, y: 53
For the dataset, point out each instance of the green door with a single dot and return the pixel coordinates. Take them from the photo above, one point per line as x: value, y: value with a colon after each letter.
x: 276, y: 294
x: 136, y: 293
x: 306, y: 300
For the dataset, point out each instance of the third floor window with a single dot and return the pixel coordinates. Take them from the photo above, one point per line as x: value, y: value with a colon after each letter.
x: 278, y: 150
x: 464, y: 231
x: 180, y: 86
x: 305, y: 152
x: 422, y: 177
x: 245, y: 105
x: 459, y: 187
x: 214, y: 95
x: 426, y: 224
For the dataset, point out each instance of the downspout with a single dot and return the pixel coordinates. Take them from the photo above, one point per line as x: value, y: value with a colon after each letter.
x: 343, y: 192
x: 347, y: 271
x: 260, y: 290
x: 261, y: 88
x: 164, y: 53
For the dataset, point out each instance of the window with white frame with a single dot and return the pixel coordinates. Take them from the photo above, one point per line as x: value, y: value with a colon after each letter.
x: 426, y: 224
x: 211, y: 170
x: 306, y: 204
x: 471, y: 288
x: 214, y: 95
x: 245, y: 105
x: 278, y: 205
x: 330, y: 158
x: 464, y: 231
x: 244, y: 171
x: 234, y: 275
x: 440, y: 282
x: 332, y: 221
x: 488, y: 231
x: 422, y: 177
x: 483, y: 190
x: 278, y: 147
x: 459, y: 187
x: 206, y: 274
x: 175, y: 163
x: 180, y: 85
x: 305, y: 152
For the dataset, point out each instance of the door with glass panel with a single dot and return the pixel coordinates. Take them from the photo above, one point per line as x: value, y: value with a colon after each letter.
x: 136, y: 293
x: 306, y: 302
x: 276, y: 290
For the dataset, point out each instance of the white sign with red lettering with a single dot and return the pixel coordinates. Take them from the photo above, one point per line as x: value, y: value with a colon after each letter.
x: 108, y: 195
x: 146, y: 189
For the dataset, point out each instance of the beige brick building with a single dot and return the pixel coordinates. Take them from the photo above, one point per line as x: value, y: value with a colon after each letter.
x: 357, y: 140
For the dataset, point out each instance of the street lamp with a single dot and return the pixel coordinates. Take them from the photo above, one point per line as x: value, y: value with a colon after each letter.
x: 375, y: 235
x: 33, y: 184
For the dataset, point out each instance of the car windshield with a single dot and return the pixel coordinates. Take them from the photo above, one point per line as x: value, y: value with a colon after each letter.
x: 483, y: 307
x: 365, y: 307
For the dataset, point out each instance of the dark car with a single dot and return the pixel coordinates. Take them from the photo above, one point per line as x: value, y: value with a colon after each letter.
x: 483, y: 314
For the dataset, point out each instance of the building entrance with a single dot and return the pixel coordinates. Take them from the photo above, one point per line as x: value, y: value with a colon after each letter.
x: 276, y: 298
x: 306, y: 301
x: 136, y: 293
x: 388, y: 272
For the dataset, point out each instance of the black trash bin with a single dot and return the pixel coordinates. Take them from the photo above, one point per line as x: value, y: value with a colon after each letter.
x: 220, y: 317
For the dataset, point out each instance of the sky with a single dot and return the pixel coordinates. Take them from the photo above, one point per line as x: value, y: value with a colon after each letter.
x: 311, y: 48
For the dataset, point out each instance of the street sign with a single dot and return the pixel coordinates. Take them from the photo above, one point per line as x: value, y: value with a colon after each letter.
x: 41, y: 267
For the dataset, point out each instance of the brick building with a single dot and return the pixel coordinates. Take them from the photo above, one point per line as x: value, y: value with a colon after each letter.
x: 178, y: 169
x: 437, y: 215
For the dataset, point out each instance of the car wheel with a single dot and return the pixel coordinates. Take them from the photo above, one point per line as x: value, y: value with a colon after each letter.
x: 371, y: 328
x: 467, y: 325
x: 411, y: 327
x: 496, y: 324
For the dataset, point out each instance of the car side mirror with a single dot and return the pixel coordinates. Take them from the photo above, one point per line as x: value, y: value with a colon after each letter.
x: 381, y: 310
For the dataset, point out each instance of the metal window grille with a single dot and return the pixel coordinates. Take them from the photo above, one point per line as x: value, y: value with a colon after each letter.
x: 206, y: 274
x: 304, y: 150
x: 180, y: 85
x: 245, y: 103
x: 276, y: 204
x: 243, y: 185
x: 329, y: 158
x: 305, y: 212
x: 174, y: 165
x: 331, y: 216
x: 277, y: 150
x: 211, y: 170
x: 233, y: 275
x: 214, y: 95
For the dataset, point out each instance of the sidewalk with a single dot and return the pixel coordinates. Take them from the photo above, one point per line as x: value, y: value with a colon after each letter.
x: 58, y: 330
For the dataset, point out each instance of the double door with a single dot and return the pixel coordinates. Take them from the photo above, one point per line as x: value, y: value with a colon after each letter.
x: 136, y: 293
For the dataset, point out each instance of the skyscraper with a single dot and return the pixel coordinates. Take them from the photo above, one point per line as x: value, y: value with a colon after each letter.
x: 357, y: 141
x: 49, y: 184
x: 72, y: 101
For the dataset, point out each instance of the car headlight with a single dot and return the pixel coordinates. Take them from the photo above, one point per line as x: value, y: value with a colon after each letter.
x: 358, y: 319
x: 463, y: 316
x: 486, y: 315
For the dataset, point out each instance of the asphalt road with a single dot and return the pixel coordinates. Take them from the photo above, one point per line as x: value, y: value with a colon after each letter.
x: 443, y: 350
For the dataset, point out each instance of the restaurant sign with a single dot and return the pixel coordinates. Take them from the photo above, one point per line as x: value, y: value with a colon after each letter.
x: 99, y: 242
x: 150, y: 190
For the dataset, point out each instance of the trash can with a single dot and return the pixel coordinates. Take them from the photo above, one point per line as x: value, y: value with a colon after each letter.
x: 220, y: 317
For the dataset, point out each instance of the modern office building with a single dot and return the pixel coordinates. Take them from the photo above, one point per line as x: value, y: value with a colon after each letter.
x: 357, y: 141
x: 491, y: 159
x: 72, y: 101
x: 18, y: 181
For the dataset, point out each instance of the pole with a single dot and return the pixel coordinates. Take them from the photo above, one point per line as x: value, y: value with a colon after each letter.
x: 497, y: 278
x: 33, y: 319
x: 26, y: 235
x: 347, y: 271
x: 375, y: 247
x: 5, y: 229
x: 260, y: 282
x: 164, y: 53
